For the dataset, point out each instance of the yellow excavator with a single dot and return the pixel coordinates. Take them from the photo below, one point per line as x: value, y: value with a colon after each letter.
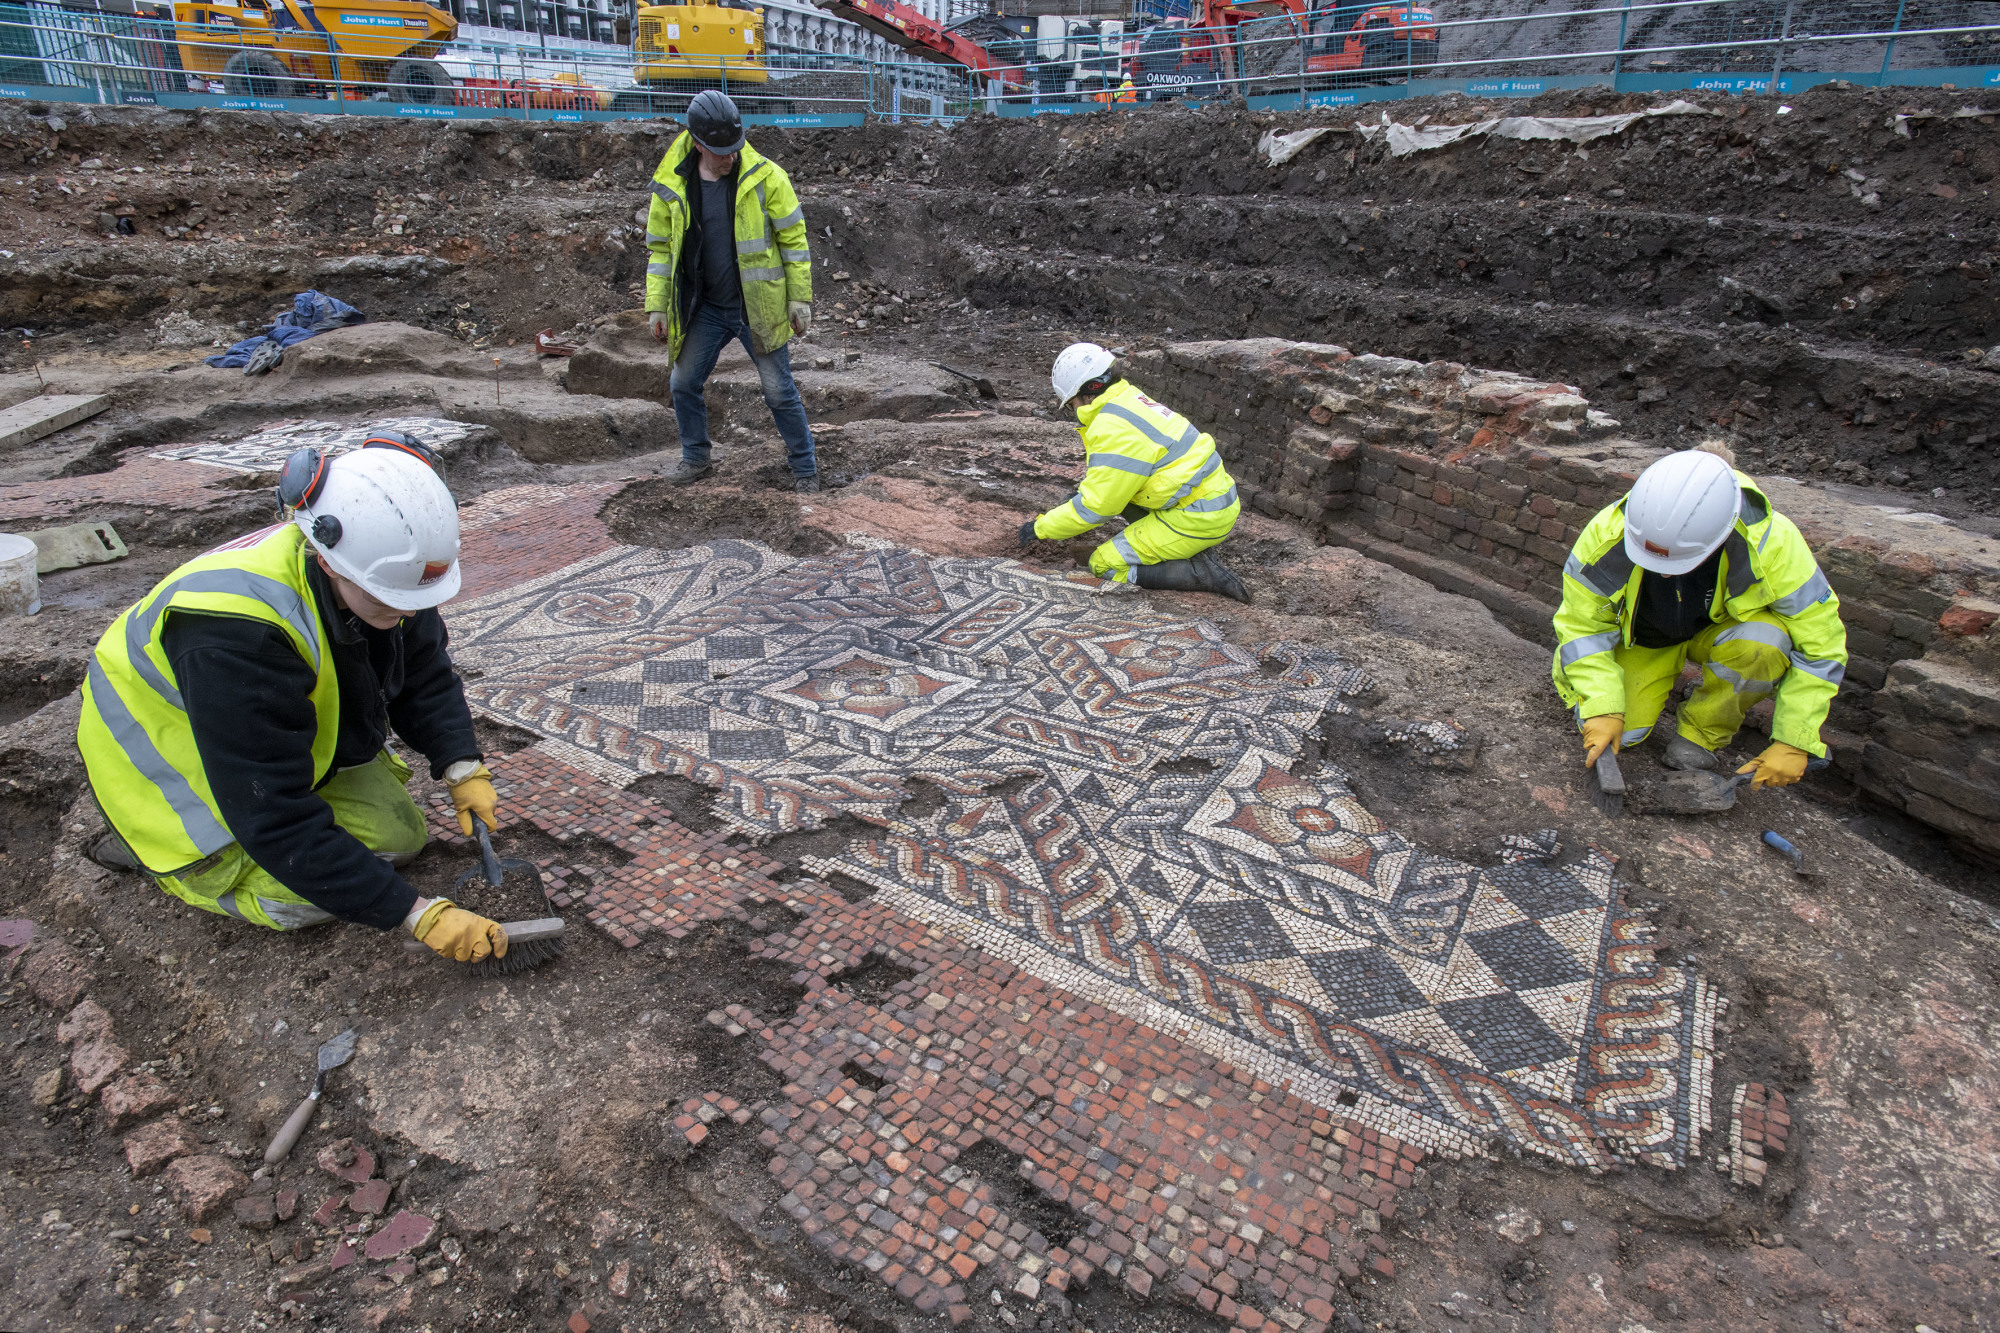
x: 292, y: 48
x: 680, y: 50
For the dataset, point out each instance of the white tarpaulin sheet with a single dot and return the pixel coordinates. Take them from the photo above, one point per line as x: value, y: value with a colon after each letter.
x: 1403, y: 140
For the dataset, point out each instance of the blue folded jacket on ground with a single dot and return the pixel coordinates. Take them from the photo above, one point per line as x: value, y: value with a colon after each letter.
x: 312, y: 313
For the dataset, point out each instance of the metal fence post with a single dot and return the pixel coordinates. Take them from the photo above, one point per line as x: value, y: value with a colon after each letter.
x: 1784, y: 35
x: 1889, y: 52
x: 1618, y: 60
x: 1305, y: 35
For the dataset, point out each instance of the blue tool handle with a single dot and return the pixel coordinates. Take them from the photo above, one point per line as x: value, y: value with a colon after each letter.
x: 1773, y: 839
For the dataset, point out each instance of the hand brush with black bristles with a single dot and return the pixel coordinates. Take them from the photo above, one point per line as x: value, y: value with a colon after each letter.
x: 529, y: 944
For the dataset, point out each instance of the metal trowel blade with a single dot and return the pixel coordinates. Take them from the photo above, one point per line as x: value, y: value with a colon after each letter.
x: 337, y: 1052
x: 1696, y: 793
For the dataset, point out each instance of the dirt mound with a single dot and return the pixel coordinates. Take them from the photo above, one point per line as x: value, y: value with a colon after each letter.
x: 659, y: 513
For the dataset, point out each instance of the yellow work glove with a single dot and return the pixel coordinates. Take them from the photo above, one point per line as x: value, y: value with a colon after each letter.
x: 801, y: 313
x: 1779, y: 766
x: 458, y: 934
x: 474, y: 794
x: 1601, y: 733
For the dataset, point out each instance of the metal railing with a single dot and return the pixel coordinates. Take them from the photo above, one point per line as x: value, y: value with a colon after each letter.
x: 1338, y: 53
x: 51, y: 54
x: 1349, y: 52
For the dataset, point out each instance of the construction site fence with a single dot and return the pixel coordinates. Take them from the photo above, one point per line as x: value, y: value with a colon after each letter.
x: 1348, y: 53
x: 51, y: 54
x: 1326, y: 57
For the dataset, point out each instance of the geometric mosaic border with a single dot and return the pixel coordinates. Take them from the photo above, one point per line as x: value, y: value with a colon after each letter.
x: 1147, y: 846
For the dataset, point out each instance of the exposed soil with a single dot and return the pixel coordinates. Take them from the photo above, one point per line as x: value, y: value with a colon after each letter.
x: 531, y: 1114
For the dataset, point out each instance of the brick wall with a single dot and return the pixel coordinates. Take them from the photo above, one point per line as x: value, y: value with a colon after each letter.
x: 1480, y: 482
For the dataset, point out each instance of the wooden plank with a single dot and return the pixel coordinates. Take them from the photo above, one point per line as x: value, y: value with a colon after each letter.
x: 47, y: 414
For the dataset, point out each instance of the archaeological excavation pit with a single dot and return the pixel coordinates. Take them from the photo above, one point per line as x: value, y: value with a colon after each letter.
x: 958, y: 939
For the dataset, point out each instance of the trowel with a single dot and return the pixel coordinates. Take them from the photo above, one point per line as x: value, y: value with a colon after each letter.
x: 980, y: 384
x: 1782, y: 845
x: 1607, y: 783
x: 1695, y: 793
x: 332, y: 1055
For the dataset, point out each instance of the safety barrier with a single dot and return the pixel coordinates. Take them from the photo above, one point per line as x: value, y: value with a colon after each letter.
x: 1339, y: 54
x: 49, y: 54
x: 1345, y: 53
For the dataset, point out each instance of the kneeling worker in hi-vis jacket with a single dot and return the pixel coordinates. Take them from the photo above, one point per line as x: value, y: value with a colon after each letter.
x: 234, y: 718
x: 1147, y: 463
x: 1694, y: 565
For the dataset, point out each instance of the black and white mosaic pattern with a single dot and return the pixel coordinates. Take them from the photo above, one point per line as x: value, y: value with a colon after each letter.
x: 1263, y: 914
x: 267, y: 450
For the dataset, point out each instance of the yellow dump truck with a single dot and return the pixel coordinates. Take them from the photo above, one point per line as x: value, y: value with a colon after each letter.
x: 680, y: 50
x: 294, y: 48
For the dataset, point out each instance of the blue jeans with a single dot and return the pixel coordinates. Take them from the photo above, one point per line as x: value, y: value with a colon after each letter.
x: 708, y: 332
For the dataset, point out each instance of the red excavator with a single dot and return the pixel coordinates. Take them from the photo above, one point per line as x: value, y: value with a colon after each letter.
x: 1275, y: 45
x: 1266, y: 42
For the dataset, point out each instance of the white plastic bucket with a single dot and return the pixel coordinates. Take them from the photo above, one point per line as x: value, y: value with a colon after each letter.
x: 20, y: 590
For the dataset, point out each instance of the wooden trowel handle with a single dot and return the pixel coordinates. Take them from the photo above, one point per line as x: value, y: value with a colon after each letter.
x: 288, y: 1135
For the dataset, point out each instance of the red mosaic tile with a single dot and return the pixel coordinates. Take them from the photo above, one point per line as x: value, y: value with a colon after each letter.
x: 1186, y: 1178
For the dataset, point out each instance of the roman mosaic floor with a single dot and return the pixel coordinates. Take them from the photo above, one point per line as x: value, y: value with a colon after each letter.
x: 1121, y: 820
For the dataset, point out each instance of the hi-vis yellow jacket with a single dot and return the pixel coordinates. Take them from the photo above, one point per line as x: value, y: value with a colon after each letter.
x: 137, y: 743
x: 1139, y: 452
x: 772, y: 253
x: 1766, y: 566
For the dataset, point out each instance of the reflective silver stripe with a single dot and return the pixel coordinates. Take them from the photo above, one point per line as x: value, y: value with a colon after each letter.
x: 666, y: 192
x: 227, y: 902
x: 238, y: 582
x: 1829, y: 671
x: 656, y: 238
x: 752, y: 247
x: 797, y: 215
x: 1212, y: 504
x: 1201, y: 474
x: 1756, y: 631
x: 1589, y: 645
x: 1118, y: 463
x: 294, y: 916
x: 1752, y: 689
x: 1810, y: 593
x: 658, y: 270
x: 1629, y: 738
x: 1175, y: 448
x: 1604, y: 577
x: 1090, y: 516
x: 796, y: 256
x: 764, y: 274
x: 1130, y: 556
x: 203, y: 829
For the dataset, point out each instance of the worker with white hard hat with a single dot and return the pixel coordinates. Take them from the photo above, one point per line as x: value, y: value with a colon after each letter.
x: 1693, y: 565
x: 1148, y: 463
x: 234, y: 718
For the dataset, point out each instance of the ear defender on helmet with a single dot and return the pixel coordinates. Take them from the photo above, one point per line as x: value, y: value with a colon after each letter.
x: 408, y: 443
x: 301, y: 480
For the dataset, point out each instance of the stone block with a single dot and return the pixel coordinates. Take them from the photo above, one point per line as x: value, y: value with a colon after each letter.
x: 135, y: 1097
x: 151, y: 1147
x: 86, y: 1022
x: 203, y: 1186
x: 95, y: 1063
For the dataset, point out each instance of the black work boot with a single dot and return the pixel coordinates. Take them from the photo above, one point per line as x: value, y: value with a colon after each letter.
x: 1218, y: 578
x: 1170, y: 576
x: 111, y: 852
x: 686, y: 472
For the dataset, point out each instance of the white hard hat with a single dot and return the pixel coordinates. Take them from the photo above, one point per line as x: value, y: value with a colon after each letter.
x: 393, y: 529
x: 1078, y: 365
x: 1680, y: 510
